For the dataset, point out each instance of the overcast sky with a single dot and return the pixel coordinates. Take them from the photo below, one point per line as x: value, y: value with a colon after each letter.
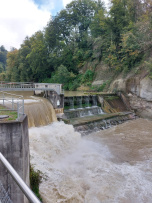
x: 21, y: 18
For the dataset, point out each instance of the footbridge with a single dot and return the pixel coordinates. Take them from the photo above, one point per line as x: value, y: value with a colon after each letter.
x: 52, y: 91
x: 30, y: 86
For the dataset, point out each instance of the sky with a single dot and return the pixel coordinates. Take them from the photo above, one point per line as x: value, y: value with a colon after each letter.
x: 21, y: 18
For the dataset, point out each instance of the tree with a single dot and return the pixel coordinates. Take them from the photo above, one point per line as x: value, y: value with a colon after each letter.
x: 12, y: 73
x: 37, y: 58
x: 1, y: 68
x: 3, y: 56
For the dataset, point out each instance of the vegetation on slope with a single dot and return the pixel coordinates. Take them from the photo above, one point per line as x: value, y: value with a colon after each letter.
x: 85, y: 32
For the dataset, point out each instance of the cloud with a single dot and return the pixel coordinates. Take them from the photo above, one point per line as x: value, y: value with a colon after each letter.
x: 65, y: 2
x: 20, y: 18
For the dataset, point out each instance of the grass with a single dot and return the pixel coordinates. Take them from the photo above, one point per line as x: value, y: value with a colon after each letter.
x: 5, y: 111
x: 111, y: 97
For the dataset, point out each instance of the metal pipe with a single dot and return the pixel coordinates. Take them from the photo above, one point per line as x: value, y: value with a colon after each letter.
x: 18, y: 113
x: 25, y: 189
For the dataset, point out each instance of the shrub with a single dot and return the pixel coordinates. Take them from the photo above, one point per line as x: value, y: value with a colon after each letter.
x: 35, y: 180
x: 88, y: 76
x: 101, y: 88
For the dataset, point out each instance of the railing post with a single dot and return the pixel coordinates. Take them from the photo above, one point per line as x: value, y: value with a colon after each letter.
x: 3, y: 99
x: 12, y: 103
x: 18, y: 115
x: 23, y: 105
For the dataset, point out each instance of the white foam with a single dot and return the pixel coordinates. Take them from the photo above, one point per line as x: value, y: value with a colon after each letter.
x: 81, y: 169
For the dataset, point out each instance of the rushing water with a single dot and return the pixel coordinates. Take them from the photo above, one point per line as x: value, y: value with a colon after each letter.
x: 110, y: 166
x: 40, y: 111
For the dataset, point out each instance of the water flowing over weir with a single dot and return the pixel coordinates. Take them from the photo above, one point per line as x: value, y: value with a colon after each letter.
x: 81, y: 106
x: 111, y: 166
x: 40, y: 112
x: 38, y: 109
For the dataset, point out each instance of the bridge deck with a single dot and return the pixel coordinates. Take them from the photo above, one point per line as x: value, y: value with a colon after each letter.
x: 24, y: 89
x: 22, y: 86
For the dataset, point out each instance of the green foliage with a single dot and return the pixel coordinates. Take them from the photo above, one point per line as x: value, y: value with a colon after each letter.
x: 149, y: 67
x: 3, y: 56
x: 88, y: 76
x: 82, y: 32
x: 35, y: 180
x: 2, y: 76
x: 68, y: 79
x: 102, y: 87
x: 62, y: 76
x: 1, y: 68
x: 111, y: 98
x: 47, y: 80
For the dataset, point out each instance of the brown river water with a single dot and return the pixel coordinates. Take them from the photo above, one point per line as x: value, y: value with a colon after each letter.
x: 109, y: 166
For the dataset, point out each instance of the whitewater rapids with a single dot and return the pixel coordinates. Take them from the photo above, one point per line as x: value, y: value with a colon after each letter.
x: 110, y: 166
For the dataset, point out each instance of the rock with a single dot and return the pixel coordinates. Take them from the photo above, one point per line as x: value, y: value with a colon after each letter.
x: 119, y: 85
x: 146, y: 89
x: 3, y: 116
x: 98, y: 82
x: 129, y: 95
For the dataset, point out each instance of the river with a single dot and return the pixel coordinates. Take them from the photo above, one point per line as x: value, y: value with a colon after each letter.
x: 109, y: 166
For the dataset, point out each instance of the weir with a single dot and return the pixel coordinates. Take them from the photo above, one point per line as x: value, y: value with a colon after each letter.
x: 81, y: 106
x: 93, y: 112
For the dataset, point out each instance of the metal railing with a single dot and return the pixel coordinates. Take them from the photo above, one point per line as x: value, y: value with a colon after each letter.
x: 12, y: 102
x: 30, y: 86
x: 25, y: 189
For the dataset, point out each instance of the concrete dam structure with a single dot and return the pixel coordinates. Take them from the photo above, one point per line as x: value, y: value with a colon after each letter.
x: 85, y: 113
x: 14, y: 145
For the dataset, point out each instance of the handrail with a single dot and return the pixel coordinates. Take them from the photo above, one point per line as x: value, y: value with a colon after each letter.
x: 25, y: 189
x: 14, y: 102
x: 28, y: 86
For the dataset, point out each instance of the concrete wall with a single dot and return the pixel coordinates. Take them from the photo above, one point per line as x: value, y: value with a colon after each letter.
x: 56, y: 100
x: 14, y: 145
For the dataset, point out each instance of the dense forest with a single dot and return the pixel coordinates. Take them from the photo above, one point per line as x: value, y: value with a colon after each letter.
x: 84, y: 31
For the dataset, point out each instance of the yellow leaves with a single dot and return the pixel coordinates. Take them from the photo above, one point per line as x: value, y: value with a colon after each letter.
x: 72, y: 75
x: 80, y: 64
x: 134, y: 53
x: 12, y: 58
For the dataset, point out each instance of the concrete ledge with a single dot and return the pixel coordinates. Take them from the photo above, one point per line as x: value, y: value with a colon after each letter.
x: 90, y: 119
x: 94, y: 123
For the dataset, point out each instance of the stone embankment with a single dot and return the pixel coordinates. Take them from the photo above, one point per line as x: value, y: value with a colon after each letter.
x: 100, y: 122
x: 138, y: 91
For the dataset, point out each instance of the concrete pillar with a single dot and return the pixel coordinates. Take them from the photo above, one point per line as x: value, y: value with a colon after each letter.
x: 14, y: 145
x: 56, y: 100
